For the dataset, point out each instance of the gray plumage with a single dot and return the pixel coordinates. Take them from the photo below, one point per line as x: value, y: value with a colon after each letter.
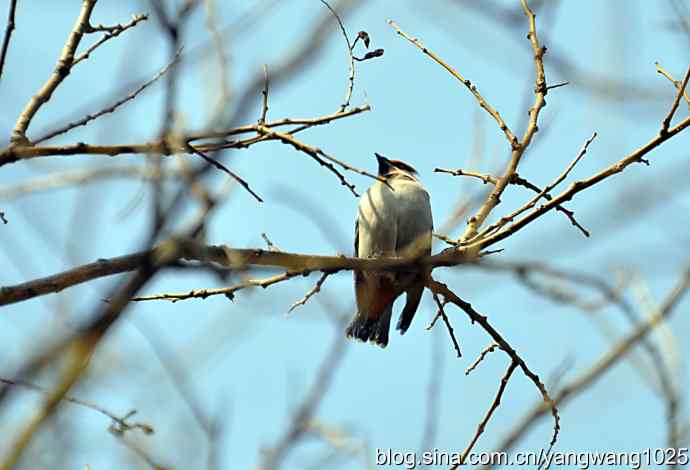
x: 391, y: 221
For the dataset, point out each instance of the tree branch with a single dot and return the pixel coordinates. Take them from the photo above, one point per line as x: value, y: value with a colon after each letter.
x: 227, y: 257
x: 62, y: 69
x: 8, y: 34
x: 608, y: 360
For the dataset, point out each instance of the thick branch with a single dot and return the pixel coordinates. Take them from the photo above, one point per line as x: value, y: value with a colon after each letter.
x: 226, y: 257
x: 65, y: 279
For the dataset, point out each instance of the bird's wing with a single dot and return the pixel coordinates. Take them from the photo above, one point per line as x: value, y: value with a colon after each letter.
x: 415, y: 222
x: 356, y: 253
x: 375, y: 235
x: 415, y: 227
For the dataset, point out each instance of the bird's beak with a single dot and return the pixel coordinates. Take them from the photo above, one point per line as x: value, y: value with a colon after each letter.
x: 384, y: 164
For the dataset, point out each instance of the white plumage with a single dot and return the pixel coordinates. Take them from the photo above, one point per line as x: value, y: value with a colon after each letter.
x: 393, y: 219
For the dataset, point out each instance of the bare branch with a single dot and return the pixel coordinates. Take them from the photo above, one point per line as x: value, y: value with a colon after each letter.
x: 676, y: 83
x: 636, y: 156
x: 163, y: 146
x: 62, y: 69
x: 518, y: 148
x: 473, y: 89
x: 441, y: 289
x: 490, y: 348
x: 264, y: 111
x: 224, y: 95
x: 227, y: 257
x: 610, y: 358
x: 509, y: 218
x: 482, y: 425
x: 111, y: 32
x: 557, y: 85
x: 667, y: 120
x: 449, y: 327
x: 227, y: 170
x: 228, y: 292
x: 351, y: 78
x: 317, y: 154
x: 8, y: 34
x: 110, y: 109
x: 311, y: 292
x: 58, y: 282
x: 121, y: 424
x: 269, y: 243
x: 518, y: 181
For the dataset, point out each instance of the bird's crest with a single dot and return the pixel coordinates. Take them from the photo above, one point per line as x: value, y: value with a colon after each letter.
x: 387, y: 166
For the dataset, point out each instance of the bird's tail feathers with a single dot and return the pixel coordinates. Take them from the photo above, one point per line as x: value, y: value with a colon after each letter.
x: 366, y: 329
x: 414, y: 295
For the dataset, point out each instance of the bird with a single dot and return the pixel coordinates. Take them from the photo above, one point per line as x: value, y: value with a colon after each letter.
x: 394, y: 220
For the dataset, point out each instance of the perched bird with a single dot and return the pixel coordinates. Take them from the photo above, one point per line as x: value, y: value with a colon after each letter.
x: 393, y: 219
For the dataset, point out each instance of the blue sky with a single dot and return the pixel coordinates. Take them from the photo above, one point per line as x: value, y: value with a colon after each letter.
x: 249, y: 361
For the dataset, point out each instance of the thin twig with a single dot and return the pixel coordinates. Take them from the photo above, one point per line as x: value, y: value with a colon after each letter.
x: 14, y: 154
x: 227, y: 170
x: 676, y: 83
x: 269, y: 243
x: 264, y: 111
x: 441, y: 289
x: 449, y: 327
x: 224, y: 96
x: 121, y: 423
x: 311, y: 292
x: 608, y: 360
x: 110, y: 109
x: 487, y: 179
x: 490, y: 348
x: 320, y: 156
x: 228, y: 292
x: 111, y: 32
x: 557, y: 85
x: 518, y: 181
x: 667, y: 120
x: 473, y: 89
x: 518, y: 148
x: 637, y: 156
x: 8, y: 34
x: 494, y: 405
x: 351, y: 78
x: 564, y: 174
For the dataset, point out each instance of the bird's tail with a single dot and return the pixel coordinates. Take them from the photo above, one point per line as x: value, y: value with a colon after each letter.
x: 414, y: 295
x: 366, y: 329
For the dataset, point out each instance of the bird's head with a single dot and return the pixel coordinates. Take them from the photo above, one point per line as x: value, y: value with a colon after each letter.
x: 391, y: 168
